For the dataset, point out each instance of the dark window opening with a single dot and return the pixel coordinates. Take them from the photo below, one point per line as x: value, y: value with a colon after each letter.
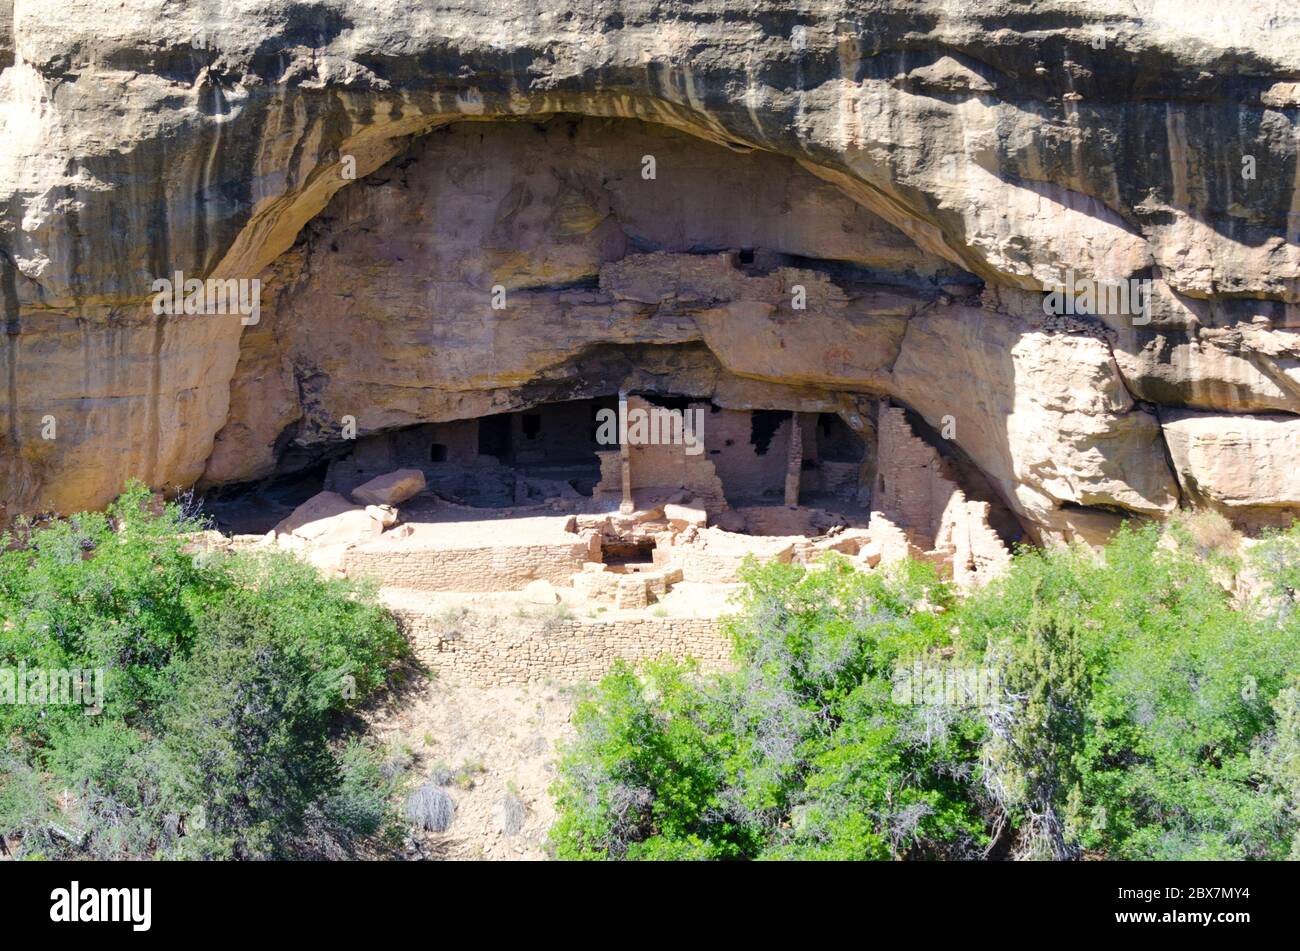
x: 624, y: 554
x: 437, y: 453
x: 532, y: 425
x: 763, y: 424
x: 746, y: 256
x: 668, y: 402
x: 836, y: 440
x: 494, y: 436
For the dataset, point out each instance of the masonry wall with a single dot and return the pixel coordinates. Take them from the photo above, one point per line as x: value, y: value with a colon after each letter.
x: 911, y: 489
x: 834, y: 478
x: 565, y: 433
x: 404, y: 448
x: 721, y: 563
x: 704, y: 567
x: 977, y: 552
x: 915, y: 503
x: 485, y: 568
x: 745, y: 474
x: 663, y: 467
x: 500, y: 650
x: 458, y: 437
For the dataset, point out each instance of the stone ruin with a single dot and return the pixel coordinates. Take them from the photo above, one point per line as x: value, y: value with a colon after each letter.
x: 463, y: 262
x: 919, y: 511
x: 642, y: 537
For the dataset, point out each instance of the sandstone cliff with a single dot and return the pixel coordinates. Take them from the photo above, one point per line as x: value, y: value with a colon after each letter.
x: 923, y: 170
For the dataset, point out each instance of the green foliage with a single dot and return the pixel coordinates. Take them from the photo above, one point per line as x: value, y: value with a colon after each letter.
x: 1276, y: 759
x: 644, y: 775
x: 222, y: 679
x: 79, y: 593
x: 1031, y: 757
x: 244, y: 744
x: 359, y: 806
x: 801, y: 751
x: 1160, y: 688
x: 1140, y: 713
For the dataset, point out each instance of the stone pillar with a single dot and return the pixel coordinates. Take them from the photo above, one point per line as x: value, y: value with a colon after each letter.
x: 793, y: 461
x: 626, y: 506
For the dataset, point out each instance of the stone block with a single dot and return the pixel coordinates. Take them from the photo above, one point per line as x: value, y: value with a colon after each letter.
x: 392, y: 488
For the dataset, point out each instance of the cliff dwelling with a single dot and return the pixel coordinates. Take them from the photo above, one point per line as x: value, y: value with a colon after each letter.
x: 458, y: 284
x: 556, y: 373
x: 558, y: 450
x: 375, y: 376
x: 596, y: 423
x: 534, y: 505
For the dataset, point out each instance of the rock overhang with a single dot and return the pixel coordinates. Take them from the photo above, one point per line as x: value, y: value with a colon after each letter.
x: 1099, y: 179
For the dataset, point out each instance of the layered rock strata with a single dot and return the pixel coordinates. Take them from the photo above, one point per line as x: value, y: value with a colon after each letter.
x: 761, y: 206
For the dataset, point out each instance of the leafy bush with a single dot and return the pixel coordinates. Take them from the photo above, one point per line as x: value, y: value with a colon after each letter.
x: 245, y: 741
x: 1169, y: 686
x: 223, y: 676
x: 802, y: 751
x: 1140, y: 712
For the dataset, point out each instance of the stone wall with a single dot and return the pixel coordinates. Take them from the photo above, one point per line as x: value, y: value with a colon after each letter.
x: 406, y: 448
x: 975, y: 550
x: 917, y: 509
x: 911, y: 489
x: 459, y: 439
x: 746, y: 474
x: 713, y: 556
x: 662, y: 466
x: 492, y: 650
x: 834, y: 478
x: 472, y: 565
x: 560, y: 433
x: 624, y: 589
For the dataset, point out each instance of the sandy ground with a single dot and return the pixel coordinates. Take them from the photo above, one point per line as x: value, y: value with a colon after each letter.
x: 493, y: 747
x: 499, y: 743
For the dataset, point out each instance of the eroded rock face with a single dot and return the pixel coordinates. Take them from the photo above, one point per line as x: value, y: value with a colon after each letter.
x: 561, y: 221
x: 922, y: 170
x: 1244, y: 466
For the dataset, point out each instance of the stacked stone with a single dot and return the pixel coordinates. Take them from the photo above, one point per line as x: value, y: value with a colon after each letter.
x: 501, y: 650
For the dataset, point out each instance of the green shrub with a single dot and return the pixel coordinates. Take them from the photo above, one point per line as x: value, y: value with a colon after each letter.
x: 222, y: 679
x: 1162, y: 689
x: 801, y: 752
x: 245, y: 742
x: 1139, y: 713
